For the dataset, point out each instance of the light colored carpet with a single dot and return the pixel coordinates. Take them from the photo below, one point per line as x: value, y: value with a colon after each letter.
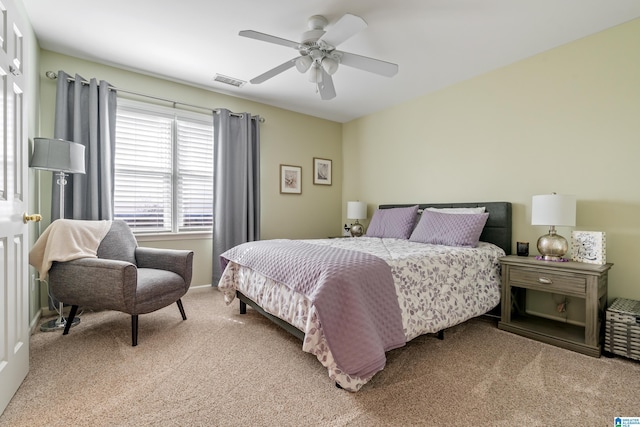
x: 220, y: 368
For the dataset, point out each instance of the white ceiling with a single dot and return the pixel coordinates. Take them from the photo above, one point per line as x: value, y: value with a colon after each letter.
x: 435, y: 42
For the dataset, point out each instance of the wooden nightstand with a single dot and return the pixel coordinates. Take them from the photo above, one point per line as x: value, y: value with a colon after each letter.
x: 575, y: 279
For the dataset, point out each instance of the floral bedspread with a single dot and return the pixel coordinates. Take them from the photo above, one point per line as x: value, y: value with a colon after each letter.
x: 437, y: 287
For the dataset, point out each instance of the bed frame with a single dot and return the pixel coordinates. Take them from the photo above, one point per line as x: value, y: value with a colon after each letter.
x: 497, y: 230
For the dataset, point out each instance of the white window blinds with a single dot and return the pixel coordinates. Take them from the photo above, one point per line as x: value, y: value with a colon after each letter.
x: 163, y: 169
x: 195, y: 175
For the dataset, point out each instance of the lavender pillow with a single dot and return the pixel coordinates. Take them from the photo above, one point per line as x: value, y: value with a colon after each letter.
x: 449, y: 229
x: 396, y: 223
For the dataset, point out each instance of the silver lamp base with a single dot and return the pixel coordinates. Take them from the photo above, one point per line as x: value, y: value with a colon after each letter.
x: 552, y: 246
x: 357, y: 229
x: 57, y: 324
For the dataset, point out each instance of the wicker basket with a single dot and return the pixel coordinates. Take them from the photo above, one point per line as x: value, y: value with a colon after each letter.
x: 622, y: 330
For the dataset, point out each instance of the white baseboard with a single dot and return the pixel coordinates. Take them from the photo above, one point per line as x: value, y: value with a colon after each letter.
x: 199, y: 286
x: 35, y: 322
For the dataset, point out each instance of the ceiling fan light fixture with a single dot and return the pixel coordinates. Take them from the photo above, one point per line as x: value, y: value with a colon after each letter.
x: 318, y: 54
x: 330, y: 65
x: 303, y: 63
x: 315, y: 74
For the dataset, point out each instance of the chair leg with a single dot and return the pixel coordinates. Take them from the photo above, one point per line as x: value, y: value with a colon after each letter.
x: 181, y: 308
x: 134, y: 330
x: 69, y: 321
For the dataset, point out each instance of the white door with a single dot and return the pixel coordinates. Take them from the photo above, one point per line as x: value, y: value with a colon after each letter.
x: 14, y: 291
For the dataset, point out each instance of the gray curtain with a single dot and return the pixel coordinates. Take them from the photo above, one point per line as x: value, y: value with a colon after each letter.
x: 236, y: 183
x: 86, y: 114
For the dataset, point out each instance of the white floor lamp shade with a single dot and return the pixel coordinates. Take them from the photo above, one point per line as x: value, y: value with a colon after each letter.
x: 58, y: 155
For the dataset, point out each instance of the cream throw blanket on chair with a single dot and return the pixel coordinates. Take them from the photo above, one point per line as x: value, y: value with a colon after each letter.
x: 67, y: 239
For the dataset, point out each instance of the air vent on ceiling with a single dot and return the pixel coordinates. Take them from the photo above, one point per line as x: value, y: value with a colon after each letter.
x: 228, y: 80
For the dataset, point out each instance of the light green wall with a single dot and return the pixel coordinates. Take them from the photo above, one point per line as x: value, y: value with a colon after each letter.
x: 286, y: 137
x: 567, y: 120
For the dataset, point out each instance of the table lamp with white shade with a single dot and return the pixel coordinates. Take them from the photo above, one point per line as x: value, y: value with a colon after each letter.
x: 356, y: 210
x: 553, y: 210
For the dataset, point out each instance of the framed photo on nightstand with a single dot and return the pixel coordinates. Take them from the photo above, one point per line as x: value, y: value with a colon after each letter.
x: 589, y: 247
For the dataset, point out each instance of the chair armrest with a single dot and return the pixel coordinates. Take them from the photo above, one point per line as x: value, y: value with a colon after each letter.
x: 95, y: 282
x: 176, y: 260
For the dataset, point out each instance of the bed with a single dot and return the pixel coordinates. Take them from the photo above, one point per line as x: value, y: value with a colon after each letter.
x: 420, y: 269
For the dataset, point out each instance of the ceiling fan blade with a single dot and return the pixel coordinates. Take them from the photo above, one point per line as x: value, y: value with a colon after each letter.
x: 346, y: 27
x: 326, y: 88
x: 267, y: 38
x: 364, y: 63
x: 274, y: 71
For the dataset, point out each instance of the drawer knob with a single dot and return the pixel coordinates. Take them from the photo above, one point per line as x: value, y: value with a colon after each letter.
x: 545, y: 280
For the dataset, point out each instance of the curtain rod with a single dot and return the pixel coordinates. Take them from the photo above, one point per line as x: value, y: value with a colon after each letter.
x: 53, y: 76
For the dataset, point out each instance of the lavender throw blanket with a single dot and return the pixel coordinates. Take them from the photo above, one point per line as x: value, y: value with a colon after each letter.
x: 353, y: 293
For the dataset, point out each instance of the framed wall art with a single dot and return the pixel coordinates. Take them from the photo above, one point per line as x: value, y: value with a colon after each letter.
x: 321, y: 171
x: 290, y: 179
x: 589, y: 247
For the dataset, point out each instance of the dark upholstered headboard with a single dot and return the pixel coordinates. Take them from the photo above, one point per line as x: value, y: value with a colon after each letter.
x: 498, y: 227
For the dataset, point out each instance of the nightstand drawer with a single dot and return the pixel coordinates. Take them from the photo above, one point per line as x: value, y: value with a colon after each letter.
x: 547, y: 280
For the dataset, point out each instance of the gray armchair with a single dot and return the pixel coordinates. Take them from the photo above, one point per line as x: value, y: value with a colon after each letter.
x: 124, y: 277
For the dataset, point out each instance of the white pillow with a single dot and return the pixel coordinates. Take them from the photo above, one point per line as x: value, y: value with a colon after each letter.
x: 477, y: 210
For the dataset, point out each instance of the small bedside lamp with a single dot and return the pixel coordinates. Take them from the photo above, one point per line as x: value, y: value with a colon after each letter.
x: 552, y: 210
x: 356, y: 210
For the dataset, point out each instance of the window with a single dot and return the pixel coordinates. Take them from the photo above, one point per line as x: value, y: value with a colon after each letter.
x: 163, y: 169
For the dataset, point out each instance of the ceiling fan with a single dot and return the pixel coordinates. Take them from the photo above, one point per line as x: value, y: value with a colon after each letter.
x: 318, y: 53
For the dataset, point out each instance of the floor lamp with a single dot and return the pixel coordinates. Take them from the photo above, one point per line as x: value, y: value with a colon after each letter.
x: 63, y: 158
